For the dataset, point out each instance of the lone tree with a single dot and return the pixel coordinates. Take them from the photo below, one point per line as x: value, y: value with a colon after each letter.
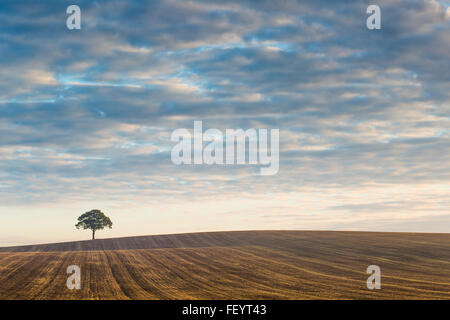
x: 94, y: 220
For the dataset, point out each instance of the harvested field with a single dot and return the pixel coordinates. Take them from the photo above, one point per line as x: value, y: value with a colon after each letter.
x: 233, y: 265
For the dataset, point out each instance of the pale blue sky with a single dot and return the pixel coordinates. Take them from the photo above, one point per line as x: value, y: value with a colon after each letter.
x: 86, y: 115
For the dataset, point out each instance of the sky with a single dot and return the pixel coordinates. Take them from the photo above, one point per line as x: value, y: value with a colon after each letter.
x: 86, y: 116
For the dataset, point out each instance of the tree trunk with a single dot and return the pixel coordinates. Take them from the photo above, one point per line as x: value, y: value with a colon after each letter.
x: 93, y: 234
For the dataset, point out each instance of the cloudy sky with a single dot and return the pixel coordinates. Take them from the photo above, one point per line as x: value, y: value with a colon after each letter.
x: 86, y: 115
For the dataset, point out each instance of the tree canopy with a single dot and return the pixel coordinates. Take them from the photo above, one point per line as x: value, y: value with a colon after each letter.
x: 94, y: 220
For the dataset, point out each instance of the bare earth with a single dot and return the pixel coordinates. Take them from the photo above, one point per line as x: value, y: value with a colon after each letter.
x: 233, y: 265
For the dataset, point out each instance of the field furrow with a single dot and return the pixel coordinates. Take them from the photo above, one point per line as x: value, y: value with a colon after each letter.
x: 233, y: 265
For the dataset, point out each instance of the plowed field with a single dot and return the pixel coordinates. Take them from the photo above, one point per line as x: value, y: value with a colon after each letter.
x: 233, y: 265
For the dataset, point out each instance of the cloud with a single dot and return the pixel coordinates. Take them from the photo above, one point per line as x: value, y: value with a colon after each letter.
x: 89, y: 112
